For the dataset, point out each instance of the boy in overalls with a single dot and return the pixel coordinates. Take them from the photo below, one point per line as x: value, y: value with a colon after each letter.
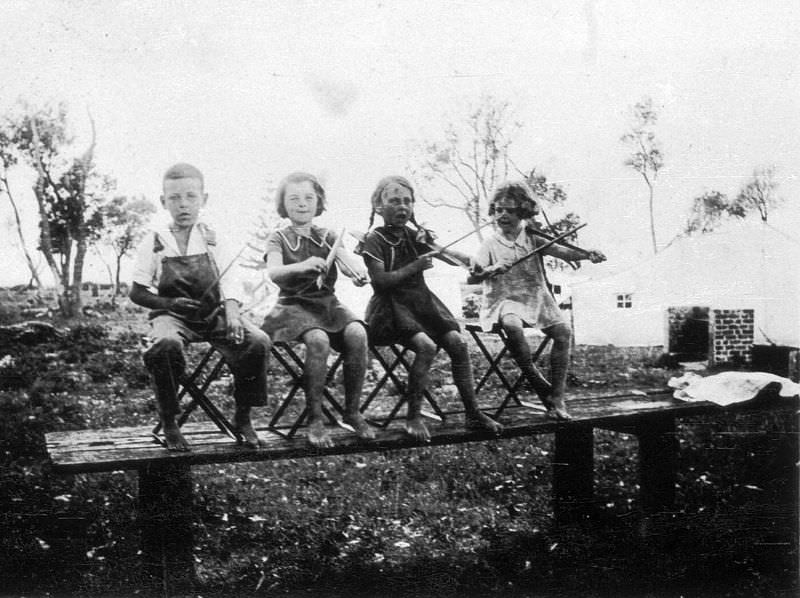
x: 195, y: 300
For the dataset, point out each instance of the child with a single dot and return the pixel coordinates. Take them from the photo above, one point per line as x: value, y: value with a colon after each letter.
x: 403, y: 310
x: 517, y: 296
x: 190, y: 273
x: 307, y: 310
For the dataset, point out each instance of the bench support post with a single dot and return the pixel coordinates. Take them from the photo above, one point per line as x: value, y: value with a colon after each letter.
x: 658, y: 455
x: 165, y: 518
x: 573, y: 473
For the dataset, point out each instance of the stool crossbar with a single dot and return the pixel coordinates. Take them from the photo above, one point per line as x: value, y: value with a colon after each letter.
x: 512, y: 389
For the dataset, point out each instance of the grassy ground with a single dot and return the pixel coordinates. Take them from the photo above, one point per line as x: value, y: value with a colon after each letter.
x: 468, y: 520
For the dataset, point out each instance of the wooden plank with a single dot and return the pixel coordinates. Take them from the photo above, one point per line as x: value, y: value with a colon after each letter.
x: 132, y: 447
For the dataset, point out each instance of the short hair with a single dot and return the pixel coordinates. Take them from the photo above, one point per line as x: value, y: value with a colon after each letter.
x: 182, y: 170
x: 518, y: 192
x: 299, y: 177
x: 385, y: 182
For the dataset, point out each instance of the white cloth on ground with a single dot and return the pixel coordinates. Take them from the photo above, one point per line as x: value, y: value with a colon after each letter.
x: 727, y: 388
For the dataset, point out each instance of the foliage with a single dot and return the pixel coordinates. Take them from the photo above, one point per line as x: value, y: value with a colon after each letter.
x: 645, y: 154
x: 68, y: 192
x: 757, y: 195
x: 125, y: 220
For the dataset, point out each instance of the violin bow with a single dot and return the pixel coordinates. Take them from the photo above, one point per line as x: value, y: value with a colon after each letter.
x: 550, y: 242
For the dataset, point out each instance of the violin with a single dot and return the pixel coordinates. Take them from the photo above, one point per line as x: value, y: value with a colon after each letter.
x: 428, y: 238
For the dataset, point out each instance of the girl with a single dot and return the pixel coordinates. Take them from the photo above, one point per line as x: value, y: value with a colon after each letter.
x: 307, y: 310
x: 518, y: 296
x: 403, y: 310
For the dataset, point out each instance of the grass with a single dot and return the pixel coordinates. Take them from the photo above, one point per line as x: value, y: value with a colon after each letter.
x: 467, y: 520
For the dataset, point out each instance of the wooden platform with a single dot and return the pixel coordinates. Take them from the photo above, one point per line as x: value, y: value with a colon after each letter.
x: 133, y: 447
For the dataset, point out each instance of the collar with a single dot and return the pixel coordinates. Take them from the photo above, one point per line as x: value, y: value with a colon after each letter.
x: 519, y: 241
x: 316, y: 235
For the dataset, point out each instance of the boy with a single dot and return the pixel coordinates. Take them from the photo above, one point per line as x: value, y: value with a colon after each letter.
x: 195, y: 300
x: 517, y: 296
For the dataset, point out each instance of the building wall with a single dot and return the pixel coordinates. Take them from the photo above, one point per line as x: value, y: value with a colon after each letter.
x: 732, y: 336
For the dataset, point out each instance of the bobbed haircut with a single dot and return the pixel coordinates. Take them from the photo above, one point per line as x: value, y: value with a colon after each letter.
x: 182, y: 170
x: 299, y: 177
x: 520, y: 194
x: 385, y: 182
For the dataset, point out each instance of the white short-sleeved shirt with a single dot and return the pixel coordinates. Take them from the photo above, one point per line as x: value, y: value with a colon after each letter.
x: 202, y: 239
x: 522, y: 290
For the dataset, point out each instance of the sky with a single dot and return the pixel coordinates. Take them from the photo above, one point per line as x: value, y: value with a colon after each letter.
x: 250, y: 91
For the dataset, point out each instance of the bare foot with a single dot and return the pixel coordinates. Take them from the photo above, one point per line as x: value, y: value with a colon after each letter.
x: 362, y: 428
x: 173, y: 437
x: 417, y: 430
x: 244, y: 428
x: 556, y: 409
x: 481, y: 421
x: 318, y: 435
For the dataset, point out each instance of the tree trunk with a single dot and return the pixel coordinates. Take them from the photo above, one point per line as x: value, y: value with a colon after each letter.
x: 28, y: 259
x: 652, y: 219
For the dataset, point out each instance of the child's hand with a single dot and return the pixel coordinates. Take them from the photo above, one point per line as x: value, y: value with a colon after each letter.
x: 314, y: 265
x: 235, y: 330
x: 359, y: 277
x: 596, y: 256
x: 497, y: 269
x: 184, y: 306
x: 424, y: 262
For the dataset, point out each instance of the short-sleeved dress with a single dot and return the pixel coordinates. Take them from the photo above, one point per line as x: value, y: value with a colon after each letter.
x: 522, y: 290
x: 398, y: 313
x: 301, y: 305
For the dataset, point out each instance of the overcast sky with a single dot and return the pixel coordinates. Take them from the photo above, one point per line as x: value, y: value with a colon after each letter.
x: 249, y: 91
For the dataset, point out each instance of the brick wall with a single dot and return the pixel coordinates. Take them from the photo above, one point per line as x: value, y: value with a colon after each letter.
x: 732, y: 335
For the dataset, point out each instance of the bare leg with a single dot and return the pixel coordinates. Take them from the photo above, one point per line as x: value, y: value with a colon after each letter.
x: 424, y: 352
x: 521, y: 352
x: 355, y: 367
x: 456, y: 348
x: 314, y: 371
x: 559, y: 364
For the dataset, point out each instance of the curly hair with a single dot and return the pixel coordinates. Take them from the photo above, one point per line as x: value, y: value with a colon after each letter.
x: 518, y: 192
x: 299, y: 177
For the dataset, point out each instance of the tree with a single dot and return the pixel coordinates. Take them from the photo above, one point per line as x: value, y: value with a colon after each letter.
x: 473, y: 158
x: 470, y: 160
x: 758, y: 195
x: 9, y: 159
x: 645, y: 157
x: 125, y: 219
x: 68, y: 193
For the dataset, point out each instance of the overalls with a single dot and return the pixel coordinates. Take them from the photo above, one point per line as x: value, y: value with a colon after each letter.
x: 196, y: 277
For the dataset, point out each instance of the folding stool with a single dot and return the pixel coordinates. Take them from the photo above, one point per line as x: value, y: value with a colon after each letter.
x: 493, y: 361
x: 389, y: 374
x: 195, y: 385
x: 293, y: 366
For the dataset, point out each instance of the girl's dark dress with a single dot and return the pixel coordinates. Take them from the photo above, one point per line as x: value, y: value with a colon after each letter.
x: 396, y: 314
x: 301, y: 305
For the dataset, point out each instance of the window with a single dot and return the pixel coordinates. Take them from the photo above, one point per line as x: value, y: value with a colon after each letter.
x: 624, y: 301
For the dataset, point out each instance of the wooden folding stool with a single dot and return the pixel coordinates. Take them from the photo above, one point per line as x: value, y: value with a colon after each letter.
x: 389, y: 374
x: 512, y: 388
x: 196, y: 385
x: 294, y: 366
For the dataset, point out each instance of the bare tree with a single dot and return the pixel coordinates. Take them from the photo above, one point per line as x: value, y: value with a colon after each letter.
x: 7, y: 143
x: 645, y: 157
x: 759, y: 194
x: 469, y: 161
x: 707, y: 212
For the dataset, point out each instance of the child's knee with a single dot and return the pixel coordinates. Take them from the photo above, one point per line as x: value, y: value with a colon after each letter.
x: 424, y: 347
x: 561, y: 334
x: 317, y: 341
x: 456, y: 345
x: 259, y: 340
x: 165, y: 346
x: 355, y: 335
